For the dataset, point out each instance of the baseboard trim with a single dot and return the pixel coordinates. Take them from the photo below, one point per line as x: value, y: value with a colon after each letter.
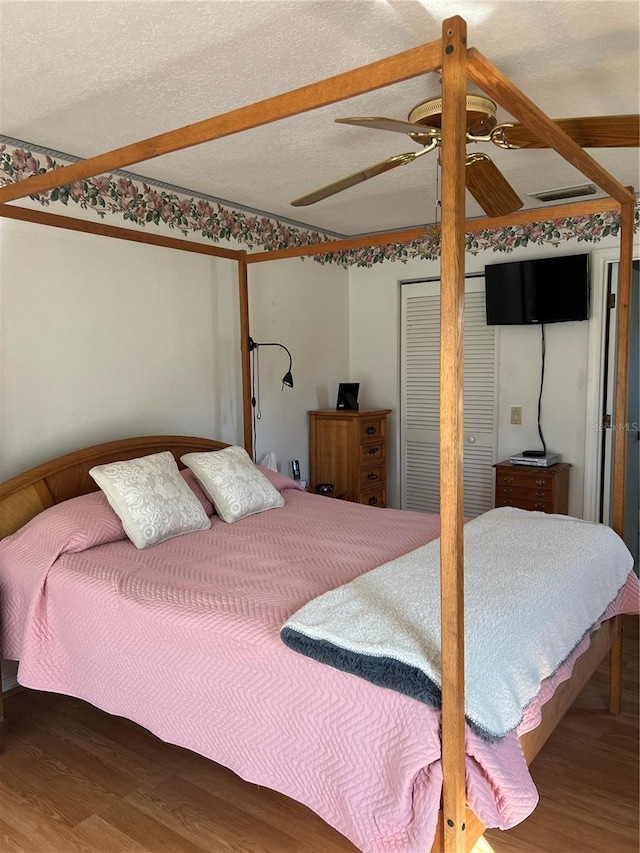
x: 10, y: 682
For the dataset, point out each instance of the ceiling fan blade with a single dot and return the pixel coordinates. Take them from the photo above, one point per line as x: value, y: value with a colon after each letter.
x: 380, y: 123
x: 489, y: 187
x: 596, y: 132
x: 357, y: 178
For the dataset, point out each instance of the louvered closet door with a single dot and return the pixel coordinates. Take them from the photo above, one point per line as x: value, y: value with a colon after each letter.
x: 420, y: 365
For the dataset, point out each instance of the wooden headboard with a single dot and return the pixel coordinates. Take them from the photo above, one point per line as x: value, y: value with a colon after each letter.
x: 24, y: 496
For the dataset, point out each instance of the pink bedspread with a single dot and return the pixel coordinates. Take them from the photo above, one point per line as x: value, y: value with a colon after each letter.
x: 183, y: 638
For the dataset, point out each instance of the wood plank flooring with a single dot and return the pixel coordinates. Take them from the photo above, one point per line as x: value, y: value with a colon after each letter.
x: 75, y: 780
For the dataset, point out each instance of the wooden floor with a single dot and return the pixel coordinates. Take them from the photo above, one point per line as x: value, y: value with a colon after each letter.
x: 73, y: 779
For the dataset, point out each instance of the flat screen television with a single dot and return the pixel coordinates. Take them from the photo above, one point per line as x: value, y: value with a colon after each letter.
x: 548, y: 290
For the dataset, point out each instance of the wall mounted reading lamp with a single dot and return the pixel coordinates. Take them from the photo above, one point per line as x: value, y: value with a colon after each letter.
x: 287, y: 379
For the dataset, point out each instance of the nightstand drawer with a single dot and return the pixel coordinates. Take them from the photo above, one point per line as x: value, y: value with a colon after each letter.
x: 374, y: 497
x: 522, y: 493
x: 371, y: 477
x: 372, y: 453
x: 371, y: 429
x: 526, y: 503
x: 525, y: 479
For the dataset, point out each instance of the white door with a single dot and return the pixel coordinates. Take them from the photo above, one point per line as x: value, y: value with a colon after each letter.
x: 420, y: 404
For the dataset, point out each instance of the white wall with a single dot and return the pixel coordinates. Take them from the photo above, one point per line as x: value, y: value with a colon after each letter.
x: 374, y: 362
x: 102, y: 339
x: 304, y: 306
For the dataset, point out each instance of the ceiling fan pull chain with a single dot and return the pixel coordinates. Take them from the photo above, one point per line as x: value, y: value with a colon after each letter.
x: 438, y: 202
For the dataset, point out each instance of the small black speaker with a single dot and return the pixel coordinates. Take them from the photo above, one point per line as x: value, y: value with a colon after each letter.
x: 348, y: 397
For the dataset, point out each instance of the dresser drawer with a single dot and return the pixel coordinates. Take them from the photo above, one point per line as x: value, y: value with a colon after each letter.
x: 522, y: 493
x: 525, y: 479
x: 372, y: 477
x: 542, y: 505
x: 372, y: 453
x: 374, y: 497
x: 371, y: 429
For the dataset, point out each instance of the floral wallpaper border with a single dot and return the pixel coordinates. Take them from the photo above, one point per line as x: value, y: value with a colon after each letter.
x: 587, y: 229
x: 147, y: 204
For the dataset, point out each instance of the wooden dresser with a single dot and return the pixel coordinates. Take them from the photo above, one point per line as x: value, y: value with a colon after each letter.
x: 349, y: 450
x: 529, y: 487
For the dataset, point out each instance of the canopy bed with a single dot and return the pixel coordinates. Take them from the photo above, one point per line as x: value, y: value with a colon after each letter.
x: 25, y: 497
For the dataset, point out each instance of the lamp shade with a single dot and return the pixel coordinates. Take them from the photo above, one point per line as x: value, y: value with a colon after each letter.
x: 287, y: 379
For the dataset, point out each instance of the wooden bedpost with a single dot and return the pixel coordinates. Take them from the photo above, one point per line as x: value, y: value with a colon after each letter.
x: 620, y: 434
x: 243, y: 291
x: 453, y: 156
x: 622, y: 367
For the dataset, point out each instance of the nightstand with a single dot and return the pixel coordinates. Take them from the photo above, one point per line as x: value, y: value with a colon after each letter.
x: 533, y: 487
x: 349, y: 450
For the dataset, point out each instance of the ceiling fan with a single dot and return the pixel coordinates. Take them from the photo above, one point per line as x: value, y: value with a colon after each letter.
x: 484, y: 180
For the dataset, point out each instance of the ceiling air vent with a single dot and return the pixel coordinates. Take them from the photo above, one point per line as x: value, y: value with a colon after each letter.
x: 564, y: 193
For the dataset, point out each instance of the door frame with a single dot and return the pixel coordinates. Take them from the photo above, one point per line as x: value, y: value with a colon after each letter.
x: 601, y: 262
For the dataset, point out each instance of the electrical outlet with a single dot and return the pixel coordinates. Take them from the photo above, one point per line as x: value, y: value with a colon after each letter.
x: 516, y: 415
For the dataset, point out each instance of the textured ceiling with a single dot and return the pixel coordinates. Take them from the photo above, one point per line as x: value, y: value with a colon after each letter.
x: 85, y: 77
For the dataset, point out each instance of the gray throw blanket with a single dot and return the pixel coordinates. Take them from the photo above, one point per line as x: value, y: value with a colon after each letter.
x: 534, y: 585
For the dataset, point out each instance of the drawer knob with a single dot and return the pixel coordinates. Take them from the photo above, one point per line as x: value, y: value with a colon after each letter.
x: 373, y: 450
x: 371, y: 430
x: 373, y: 500
x: 372, y: 476
x: 540, y: 494
x: 508, y: 491
x: 539, y: 505
x: 540, y: 482
x: 508, y: 479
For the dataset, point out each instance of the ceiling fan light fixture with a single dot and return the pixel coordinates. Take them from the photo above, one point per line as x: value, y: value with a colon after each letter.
x: 481, y: 114
x: 564, y: 192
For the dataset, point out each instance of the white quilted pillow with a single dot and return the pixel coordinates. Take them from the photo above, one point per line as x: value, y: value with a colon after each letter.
x: 233, y: 483
x: 151, y: 498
